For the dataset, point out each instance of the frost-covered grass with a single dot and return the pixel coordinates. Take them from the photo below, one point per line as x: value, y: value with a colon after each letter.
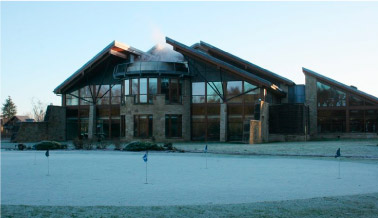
x: 344, y: 206
x: 349, y: 148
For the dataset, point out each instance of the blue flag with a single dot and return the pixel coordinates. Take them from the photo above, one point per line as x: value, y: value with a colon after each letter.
x: 47, y: 153
x: 145, y: 157
x: 338, y: 153
x: 205, y: 150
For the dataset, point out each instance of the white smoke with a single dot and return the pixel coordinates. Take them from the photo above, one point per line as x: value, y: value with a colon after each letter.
x: 162, y: 51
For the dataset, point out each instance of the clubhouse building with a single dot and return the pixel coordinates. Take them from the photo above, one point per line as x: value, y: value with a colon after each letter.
x: 202, y: 93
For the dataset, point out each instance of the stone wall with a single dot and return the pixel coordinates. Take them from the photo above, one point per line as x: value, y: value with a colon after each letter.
x: 52, y: 128
x: 259, y: 129
x: 311, y: 101
x: 158, y: 109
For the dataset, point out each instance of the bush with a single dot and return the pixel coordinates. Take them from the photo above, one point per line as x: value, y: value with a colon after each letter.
x: 78, y: 143
x: 51, y: 145
x: 143, y: 146
x: 21, y: 147
x: 168, y: 146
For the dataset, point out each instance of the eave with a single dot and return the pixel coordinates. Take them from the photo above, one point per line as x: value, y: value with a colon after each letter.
x: 114, y: 48
x: 246, y: 64
x: 185, y: 50
x: 339, y: 85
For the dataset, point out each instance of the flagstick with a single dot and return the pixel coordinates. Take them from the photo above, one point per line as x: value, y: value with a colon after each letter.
x: 339, y: 168
x: 146, y: 174
x: 206, y: 158
x: 48, y: 166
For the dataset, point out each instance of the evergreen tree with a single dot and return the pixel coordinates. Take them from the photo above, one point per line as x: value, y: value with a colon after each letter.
x: 9, y: 109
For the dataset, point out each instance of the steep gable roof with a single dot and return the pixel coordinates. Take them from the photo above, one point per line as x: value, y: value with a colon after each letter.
x: 204, y: 56
x: 246, y: 64
x: 339, y: 84
x: 114, y: 48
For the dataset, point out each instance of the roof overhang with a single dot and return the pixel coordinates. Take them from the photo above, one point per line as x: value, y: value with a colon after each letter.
x: 189, y: 51
x: 115, y: 48
x: 247, y: 65
x: 339, y: 85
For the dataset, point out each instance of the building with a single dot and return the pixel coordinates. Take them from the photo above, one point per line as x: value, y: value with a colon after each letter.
x: 202, y: 93
x: 10, y: 127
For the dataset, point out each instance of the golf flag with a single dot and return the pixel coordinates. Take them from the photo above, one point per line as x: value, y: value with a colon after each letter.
x: 47, y: 153
x: 338, y: 153
x: 205, y: 150
x: 145, y: 157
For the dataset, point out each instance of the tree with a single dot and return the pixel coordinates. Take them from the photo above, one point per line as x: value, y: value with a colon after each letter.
x: 39, y: 110
x: 9, y: 109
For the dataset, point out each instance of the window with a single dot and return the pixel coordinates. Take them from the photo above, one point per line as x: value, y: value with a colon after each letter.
x: 85, y: 96
x: 143, y: 89
x: 116, y: 94
x: 71, y: 98
x: 143, y: 126
x: 329, y: 96
x: 103, y: 94
x: 198, y: 92
x: 127, y: 87
x: 173, y: 125
x: 330, y: 121
x: 152, y: 89
x: 212, y: 92
x: 172, y: 89
x: 234, y: 88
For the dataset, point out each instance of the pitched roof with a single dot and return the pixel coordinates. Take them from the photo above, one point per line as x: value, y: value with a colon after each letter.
x: 115, y: 48
x: 224, y: 65
x: 246, y: 64
x: 339, y: 84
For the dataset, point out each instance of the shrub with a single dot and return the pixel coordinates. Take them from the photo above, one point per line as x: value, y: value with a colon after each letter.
x: 78, y: 143
x: 117, y: 145
x: 142, y: 146
x: 21, y: 147
x: 51, y: 145
x: 168, y: 146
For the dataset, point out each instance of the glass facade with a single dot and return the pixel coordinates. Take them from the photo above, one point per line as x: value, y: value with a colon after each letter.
x: 341, y: 111
x: 173, y: 126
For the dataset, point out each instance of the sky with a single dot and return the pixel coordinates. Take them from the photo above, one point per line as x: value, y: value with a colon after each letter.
x: 43, y: 43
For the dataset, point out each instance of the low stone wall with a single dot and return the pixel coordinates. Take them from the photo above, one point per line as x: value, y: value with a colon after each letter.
x: 31, y: 132
x: 53, y: 127
x: 288, y: 138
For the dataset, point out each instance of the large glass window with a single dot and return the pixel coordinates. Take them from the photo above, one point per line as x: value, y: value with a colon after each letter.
x: 234, y: 88
x: 213, y: 88
x: 152, y: 89
x: 329, y: 96
x: 116, y: 94
x: 85, y: 96
x: 142, y: 90
x: 127, y: 87
x: 371, y: 121
x: 173, y: 125
x: 103, y: 94
x: 71, y: 99
x: 330, y: 121
x: 143, y: 126
x: 356, y: 120
x: 355, y: 101
x: 198, y: 92
x: 172, y: 89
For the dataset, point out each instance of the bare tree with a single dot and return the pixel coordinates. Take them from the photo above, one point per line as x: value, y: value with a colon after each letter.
x: 39, y: 110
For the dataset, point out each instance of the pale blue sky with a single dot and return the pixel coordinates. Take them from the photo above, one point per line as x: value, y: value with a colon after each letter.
x: 42, y: 43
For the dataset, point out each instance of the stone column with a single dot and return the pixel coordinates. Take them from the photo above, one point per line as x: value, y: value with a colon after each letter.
x: 92, y: 121
x: 311, y: 102
x: 223, y: 122
x: 264, y: 118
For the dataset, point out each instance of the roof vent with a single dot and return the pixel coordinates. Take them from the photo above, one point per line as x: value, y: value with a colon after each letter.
x: 354, y: 87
